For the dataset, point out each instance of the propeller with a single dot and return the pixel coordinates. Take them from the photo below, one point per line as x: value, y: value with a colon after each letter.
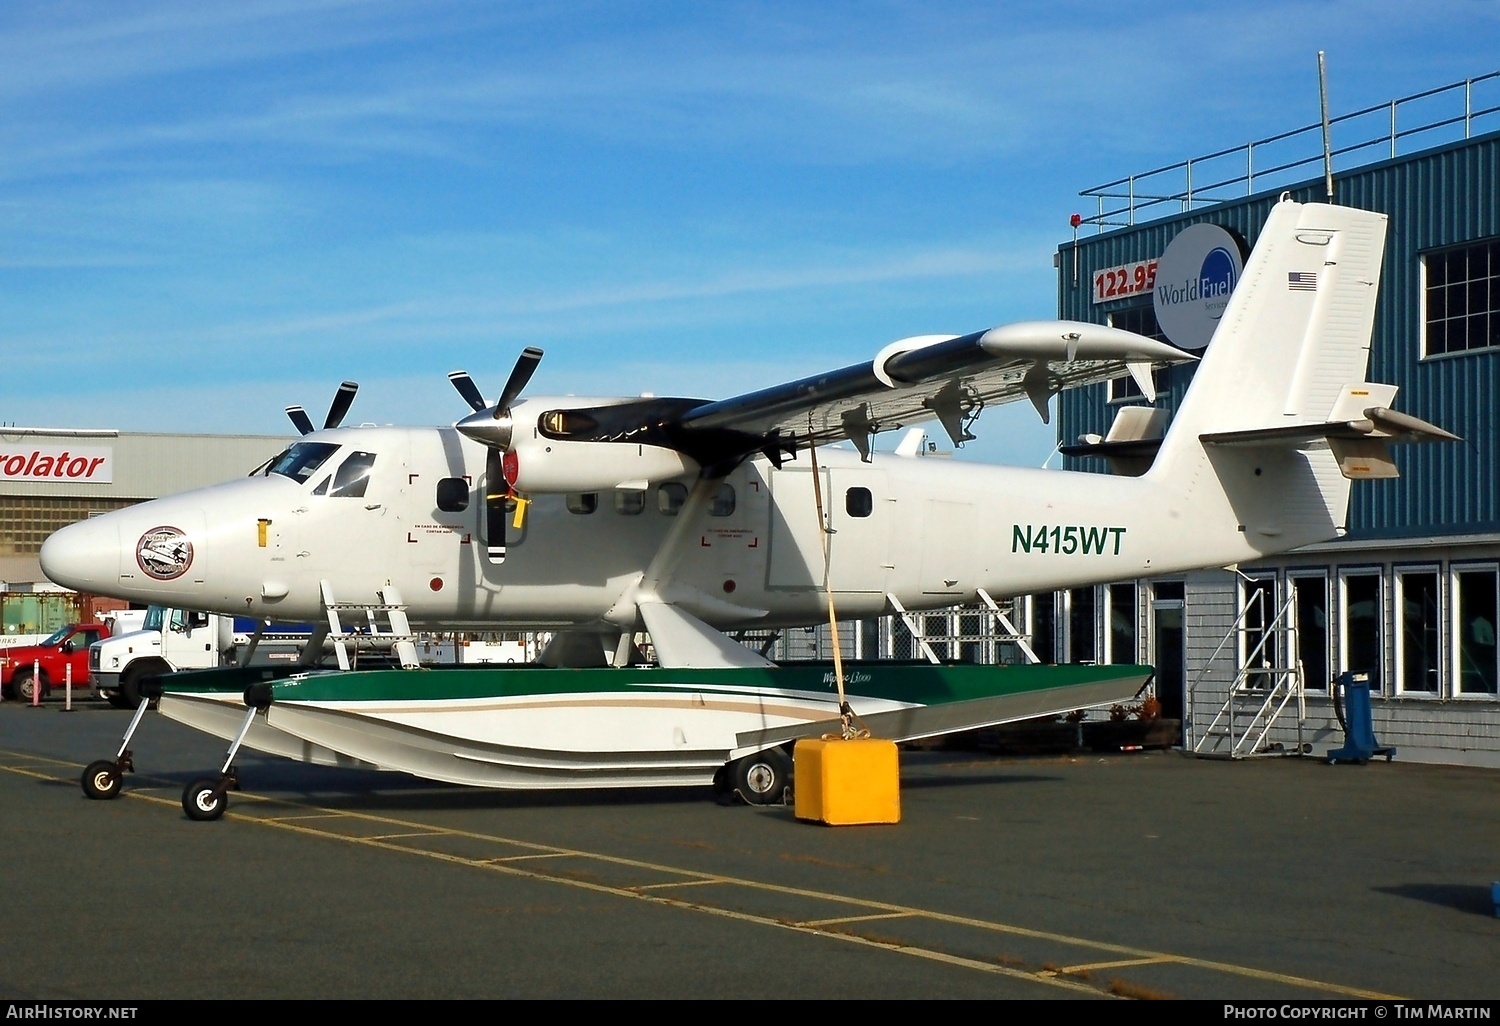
x: 342, y: 400
x: 492, y: 425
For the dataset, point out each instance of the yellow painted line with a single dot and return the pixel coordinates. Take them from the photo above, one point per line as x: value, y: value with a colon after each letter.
x: 856, y: 919
x: 1124, y: 963
x: 414, y: 833
x: 676, y: 883
x: 506, y: 865
x: 523, y: 858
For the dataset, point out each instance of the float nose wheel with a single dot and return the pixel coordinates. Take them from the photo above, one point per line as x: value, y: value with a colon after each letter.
x: 207, y: 799
x: 102, y: 779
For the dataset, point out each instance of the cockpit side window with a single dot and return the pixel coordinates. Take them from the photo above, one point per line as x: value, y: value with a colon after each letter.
x: 301, y: 459
x: 353, y: 475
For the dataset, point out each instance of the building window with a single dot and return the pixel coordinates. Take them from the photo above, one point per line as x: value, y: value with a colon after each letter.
x: 26, y: 521
x: 1044, y: 627
x: 1363, y: 641
x: 1475, y: 592
x: 1312, y: 630
x: 1081, y: 644
x: 1461, y: 298
x: 1122, y: 621
x: 1418, y: 649
x: 1258, y: 630
x: 1140, y: 319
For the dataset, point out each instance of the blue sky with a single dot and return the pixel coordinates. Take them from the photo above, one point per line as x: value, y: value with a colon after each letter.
x: 211, y: 211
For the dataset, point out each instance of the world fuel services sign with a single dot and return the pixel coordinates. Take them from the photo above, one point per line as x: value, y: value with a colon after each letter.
x: 1194, y: 278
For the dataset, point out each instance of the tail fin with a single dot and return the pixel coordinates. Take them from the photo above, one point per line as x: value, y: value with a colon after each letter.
x: 1294, y: 337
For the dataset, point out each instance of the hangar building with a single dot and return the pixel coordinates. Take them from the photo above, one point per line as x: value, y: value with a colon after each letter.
x: 1409, y: 596
x: 51, y: 477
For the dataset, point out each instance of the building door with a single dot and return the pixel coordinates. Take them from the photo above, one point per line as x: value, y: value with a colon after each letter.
x: 1169, y: 654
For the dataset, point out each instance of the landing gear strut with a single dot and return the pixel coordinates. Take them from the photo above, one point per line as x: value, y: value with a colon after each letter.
x: 207, y: 798
x: 102, y: 778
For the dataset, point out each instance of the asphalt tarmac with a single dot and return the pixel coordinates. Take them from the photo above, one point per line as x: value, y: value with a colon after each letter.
x: 1132, y: 875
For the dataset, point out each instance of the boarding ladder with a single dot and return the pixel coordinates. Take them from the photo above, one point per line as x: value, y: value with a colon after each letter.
x: 399, y: 636
x: 1262, y: 692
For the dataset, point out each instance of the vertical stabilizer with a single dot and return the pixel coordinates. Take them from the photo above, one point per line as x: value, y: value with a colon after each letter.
x: 1294, y: 335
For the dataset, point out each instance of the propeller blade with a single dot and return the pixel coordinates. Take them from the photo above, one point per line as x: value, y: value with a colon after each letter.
x: 524, y: 369
x: 300, y: 419
x: 342, y: 399
x: 468, y: 390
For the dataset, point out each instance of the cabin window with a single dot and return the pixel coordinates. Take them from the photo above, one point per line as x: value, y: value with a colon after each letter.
x: 1461, y: 299
x: 858, y: 502
x: 301, y: 460
x: 723, y: 504
x: 353, y: 476
x: 322, y: 488
x: 629, y: 502
x: 582, y: 503
x: 453, y: 495
x: 670, y: 497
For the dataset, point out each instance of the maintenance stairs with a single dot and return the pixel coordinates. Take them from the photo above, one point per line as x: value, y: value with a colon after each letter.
x: 398, y: 637
x: 1262, y: 693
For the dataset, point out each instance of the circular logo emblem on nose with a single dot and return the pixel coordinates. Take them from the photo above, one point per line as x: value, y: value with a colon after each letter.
x: 164, y: 553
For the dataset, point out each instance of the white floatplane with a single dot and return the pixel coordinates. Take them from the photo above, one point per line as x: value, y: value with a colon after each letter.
x: 684, y: 519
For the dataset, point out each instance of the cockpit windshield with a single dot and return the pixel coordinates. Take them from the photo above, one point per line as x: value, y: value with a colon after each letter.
x: 301, y: 459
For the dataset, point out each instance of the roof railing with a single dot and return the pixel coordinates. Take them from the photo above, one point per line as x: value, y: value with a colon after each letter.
x: 1230, y: 173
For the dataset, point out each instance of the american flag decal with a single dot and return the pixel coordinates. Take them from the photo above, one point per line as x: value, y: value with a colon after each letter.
x: 1302, y: 281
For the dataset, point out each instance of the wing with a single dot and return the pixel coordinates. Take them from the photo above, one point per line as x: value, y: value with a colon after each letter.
x: 948, y: 378
x: 945, y: 378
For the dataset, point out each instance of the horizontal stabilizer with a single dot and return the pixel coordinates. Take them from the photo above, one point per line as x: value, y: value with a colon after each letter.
x: 1132, y: 443
x: 1360, y: 438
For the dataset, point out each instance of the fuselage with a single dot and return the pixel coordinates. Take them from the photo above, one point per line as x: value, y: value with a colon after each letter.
x: 424, y: 510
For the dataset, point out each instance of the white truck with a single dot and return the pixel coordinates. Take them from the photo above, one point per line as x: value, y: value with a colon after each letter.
x: 178, y: 639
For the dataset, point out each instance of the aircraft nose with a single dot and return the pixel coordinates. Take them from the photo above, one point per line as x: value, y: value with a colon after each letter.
x: 83, y: 556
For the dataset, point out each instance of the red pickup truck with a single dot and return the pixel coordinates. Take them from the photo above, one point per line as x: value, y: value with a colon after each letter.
x: 69, y: 646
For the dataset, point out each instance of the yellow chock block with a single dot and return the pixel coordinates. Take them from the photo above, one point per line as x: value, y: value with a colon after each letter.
x: 847, y: 782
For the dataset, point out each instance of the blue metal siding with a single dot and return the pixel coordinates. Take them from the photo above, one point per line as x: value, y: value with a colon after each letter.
x: 1435, y: 199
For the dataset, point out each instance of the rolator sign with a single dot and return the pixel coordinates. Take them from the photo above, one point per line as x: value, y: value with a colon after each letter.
x: 56, y: 464
x: 1194, y: 278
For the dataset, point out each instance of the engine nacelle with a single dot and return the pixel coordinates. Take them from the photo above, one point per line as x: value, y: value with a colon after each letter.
x: 540, y: 465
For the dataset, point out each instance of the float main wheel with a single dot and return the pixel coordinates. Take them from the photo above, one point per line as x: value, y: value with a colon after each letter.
x: 762, y: 778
